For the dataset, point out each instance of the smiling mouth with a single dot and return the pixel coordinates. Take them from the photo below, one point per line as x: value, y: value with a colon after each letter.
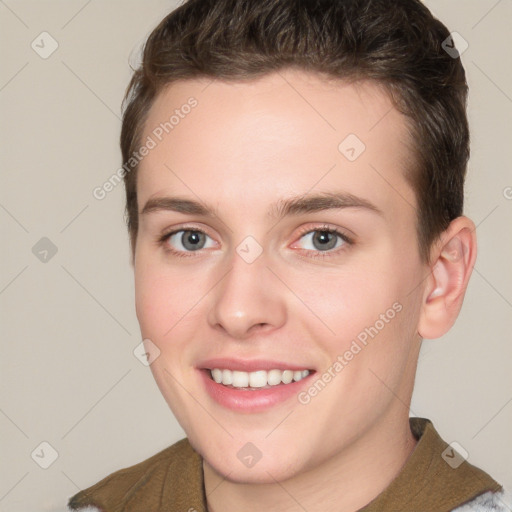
x: 260, y: 379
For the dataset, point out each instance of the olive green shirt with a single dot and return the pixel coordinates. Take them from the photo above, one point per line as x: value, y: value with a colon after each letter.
x: 434, y: 479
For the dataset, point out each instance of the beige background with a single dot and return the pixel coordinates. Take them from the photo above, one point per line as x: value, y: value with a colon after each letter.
x: 68, y: 373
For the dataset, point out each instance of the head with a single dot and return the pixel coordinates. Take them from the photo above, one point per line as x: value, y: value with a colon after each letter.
x: 397, y: 46
x: 352, y: 101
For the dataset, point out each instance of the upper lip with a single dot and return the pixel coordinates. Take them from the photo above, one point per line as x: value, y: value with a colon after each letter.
x: 248, y: 365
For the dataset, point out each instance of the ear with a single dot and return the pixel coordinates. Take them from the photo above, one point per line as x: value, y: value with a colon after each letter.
x: 452, y: 259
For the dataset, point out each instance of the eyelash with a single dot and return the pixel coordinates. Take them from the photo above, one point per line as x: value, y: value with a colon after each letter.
x: 162, y: 241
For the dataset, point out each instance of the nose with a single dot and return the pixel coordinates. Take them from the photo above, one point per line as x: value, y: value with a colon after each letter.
x: 249, y: 299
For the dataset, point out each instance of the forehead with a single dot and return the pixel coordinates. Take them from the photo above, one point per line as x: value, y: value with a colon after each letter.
x: 247, y: 143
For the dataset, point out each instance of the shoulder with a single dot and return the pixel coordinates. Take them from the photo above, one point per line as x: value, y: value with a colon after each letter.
x: 88, y: 509
x: 500, y: 501
x: 146, y: 478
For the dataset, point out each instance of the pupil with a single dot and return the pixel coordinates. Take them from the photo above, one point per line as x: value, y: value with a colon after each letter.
x: 192, y: 240
x: 324, y: 237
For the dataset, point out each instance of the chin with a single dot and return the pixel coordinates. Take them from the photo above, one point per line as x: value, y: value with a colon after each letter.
x: 266, y: 470
x: 259, y: 474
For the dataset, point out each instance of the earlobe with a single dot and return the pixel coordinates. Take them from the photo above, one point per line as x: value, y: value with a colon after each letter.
x: 452, y: 261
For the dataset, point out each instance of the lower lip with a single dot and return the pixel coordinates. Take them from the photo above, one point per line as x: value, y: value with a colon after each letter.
x: 249, y: 400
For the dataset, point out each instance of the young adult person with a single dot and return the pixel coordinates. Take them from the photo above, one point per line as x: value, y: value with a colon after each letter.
x: 294, y: 183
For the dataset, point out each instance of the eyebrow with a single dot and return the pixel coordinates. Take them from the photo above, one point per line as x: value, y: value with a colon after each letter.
x: 292, y: 206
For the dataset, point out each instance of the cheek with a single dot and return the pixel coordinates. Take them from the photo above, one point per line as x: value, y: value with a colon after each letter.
x: 348, y: 301
x: 167, y: 300
x: 157, y: 297
x: 152, y: 299
x: 368, y: 312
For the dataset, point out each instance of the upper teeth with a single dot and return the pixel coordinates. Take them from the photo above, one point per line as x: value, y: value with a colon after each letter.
x: 256, y: 379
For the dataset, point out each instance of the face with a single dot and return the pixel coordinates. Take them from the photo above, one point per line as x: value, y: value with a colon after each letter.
x: 277, y: 232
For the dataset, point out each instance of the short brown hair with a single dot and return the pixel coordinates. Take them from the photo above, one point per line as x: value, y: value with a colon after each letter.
x: 396, y: 43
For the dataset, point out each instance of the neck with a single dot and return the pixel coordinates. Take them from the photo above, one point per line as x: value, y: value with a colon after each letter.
x: 346, y: 482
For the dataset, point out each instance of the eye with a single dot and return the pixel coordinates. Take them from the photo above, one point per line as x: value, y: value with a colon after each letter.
x: 324, y: 240
x: 183, y: 241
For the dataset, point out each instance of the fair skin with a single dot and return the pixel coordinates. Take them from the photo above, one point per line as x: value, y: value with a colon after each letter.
x: 244, y: 147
